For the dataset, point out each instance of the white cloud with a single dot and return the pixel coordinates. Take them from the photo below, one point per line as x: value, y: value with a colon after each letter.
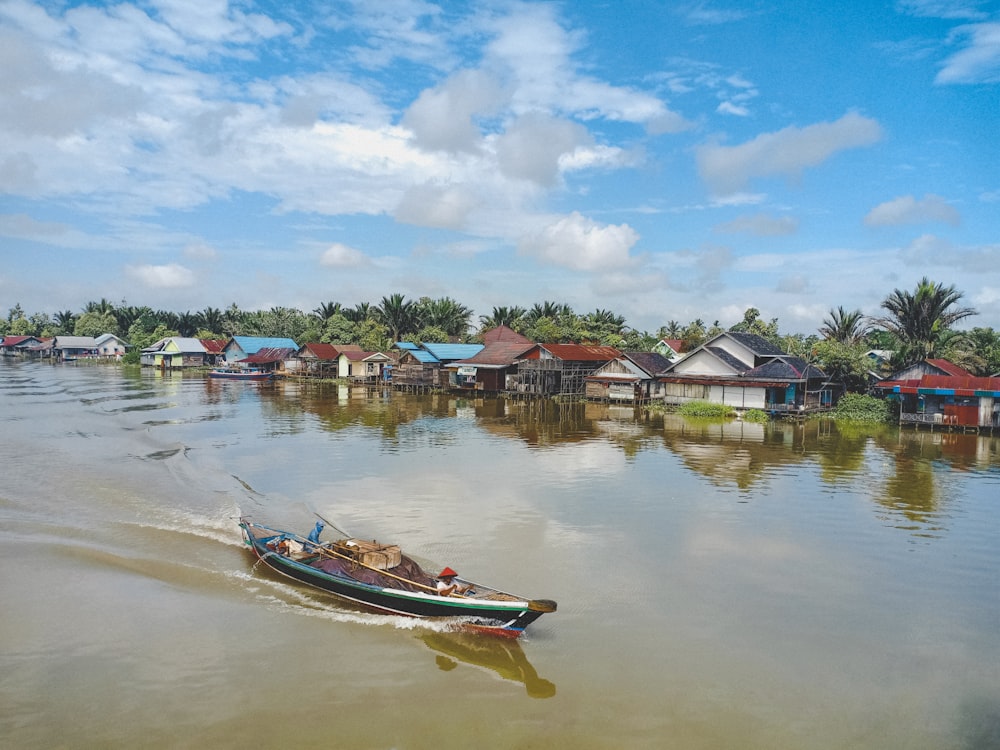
x: 979, y: 60
x: 342, y: 256
x: 445, y: 117
x: 761, y: 225
x: 532, y: 147
x: 908, y: 210
x: 727, y: 169
x: 441, y: 206
x: 170, y: 276
x: 581, y: 244
x: 728, y: 108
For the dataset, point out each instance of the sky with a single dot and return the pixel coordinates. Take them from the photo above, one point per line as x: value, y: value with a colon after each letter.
x: 666, y: 161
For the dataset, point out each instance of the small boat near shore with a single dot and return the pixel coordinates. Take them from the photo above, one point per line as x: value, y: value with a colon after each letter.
x: 381, y: 577
x: 240, y: 373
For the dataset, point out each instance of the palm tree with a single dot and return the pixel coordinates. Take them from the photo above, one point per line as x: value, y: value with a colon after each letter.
x: 444, y: 313
x: 212, y: 319
x: 326, y: 310
x: 512, y: 317
x: 398, y: 315
x: 187, y: 323
x: 845, y: 327
x: 359, y: 313
x: 66, y: 320
x: 919, y: 320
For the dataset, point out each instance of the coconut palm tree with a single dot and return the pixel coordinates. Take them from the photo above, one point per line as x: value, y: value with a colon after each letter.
x: 845, y: 327
x: 919, y: 319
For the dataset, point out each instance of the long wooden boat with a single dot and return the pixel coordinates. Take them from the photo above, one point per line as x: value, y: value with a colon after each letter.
x: 240, y: 373
x: 381, y: 577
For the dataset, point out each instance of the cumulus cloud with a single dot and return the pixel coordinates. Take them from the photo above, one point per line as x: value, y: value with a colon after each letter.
x: 170, y: 276
x: 727, y: 169
x: 444, y: 118
x: 532, y: 148
x: 979, y: 59
x: 908, y: 210
x: 581, y: 244
x: 343, y: 256
x: 761, y: 225
x: 441, y: 206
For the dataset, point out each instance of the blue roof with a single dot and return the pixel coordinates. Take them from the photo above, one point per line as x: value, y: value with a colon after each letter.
x: 423, y: 356
x: 452, y: 352
x: 253, y: 344
x: 407, y: 345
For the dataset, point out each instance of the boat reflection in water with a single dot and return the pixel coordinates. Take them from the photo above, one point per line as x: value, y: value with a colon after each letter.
x: 503, y: 656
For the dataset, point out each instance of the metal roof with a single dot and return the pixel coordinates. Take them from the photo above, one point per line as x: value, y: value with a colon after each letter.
x: 452, y: 352
x: 253, y: 344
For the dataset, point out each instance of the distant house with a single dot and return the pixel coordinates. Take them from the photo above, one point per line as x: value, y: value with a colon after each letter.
x: 669, y: 348
x: 109, y: 345
x: 175, y: 352
x: 269, y: 358
x: 241, y: 347
x: 422, y: 366
x: 558, y: 369
x: 631, y: 377
x: 12, y: 346
x: 361, y: 366
x: 319, y: 359
x: 488, y: 370
x: 214, y: 350
x: 936, y: 392
x: 746, y: 371
x: 74, y: 347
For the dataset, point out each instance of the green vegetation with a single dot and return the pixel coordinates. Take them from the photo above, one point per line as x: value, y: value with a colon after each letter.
x: 915, y: 325
x: 756, y: 415
x: 858, y: 407
x: 706, y: 410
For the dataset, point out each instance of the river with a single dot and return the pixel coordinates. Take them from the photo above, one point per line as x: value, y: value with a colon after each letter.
x: 719, y: 585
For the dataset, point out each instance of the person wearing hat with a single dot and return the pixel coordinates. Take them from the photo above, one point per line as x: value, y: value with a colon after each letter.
x: 447, y: 585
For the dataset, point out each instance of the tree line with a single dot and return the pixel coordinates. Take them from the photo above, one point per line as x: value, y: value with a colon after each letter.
x: 913, y: 325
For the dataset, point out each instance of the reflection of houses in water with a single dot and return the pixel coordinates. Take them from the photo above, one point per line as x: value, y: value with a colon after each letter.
x: 503, y: 657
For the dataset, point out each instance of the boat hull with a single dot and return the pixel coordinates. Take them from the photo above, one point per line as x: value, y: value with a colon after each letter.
x: 506, y: 618
x: 230, y: 375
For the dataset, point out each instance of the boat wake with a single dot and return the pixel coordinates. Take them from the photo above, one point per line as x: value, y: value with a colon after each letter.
x: 278, y: 596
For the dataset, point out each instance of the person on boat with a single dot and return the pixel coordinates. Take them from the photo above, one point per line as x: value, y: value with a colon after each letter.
x: 314, y: 534
x: 447, y: 585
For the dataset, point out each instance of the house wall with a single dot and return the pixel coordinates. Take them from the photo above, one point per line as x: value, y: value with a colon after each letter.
x: 702, y: 363
x: 738, y: 397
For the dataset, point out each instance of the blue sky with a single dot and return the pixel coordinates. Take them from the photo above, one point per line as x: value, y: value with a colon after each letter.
x: 666, y: 161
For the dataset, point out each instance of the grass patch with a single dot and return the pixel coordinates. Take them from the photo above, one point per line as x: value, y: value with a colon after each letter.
x: 704, y: 409
x: 858, y: 407
x: 756, y: 415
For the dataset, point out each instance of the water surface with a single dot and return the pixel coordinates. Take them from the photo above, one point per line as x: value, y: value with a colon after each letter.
x: 719, y: 586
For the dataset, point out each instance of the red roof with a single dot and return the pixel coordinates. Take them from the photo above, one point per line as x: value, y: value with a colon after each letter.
x: 961, y: 385
x: 506, y: 335
x: 322, y: 351
x: 15, y: 340
x: 356, y: 355
x: 950, y: 367
x: 213, y: 346
x: 267, y: 356
x: 674, y: 344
